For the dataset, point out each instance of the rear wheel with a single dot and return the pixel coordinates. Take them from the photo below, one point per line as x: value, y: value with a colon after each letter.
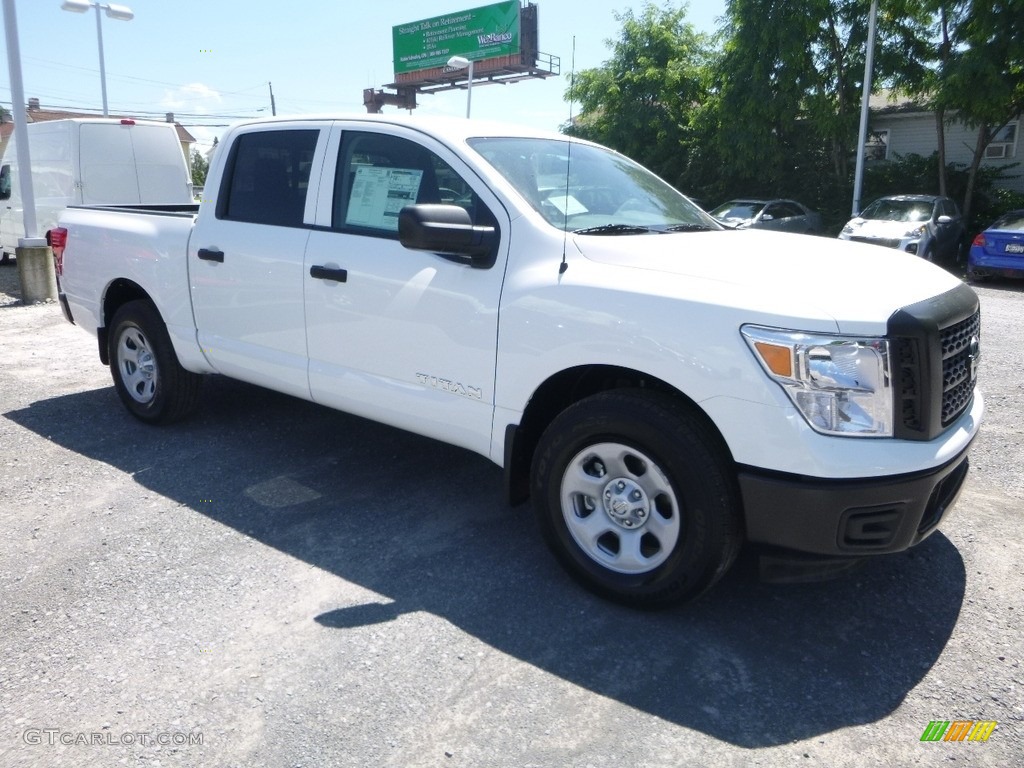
x: 635, y: 496
x: 974, y: 277
x: 149, y: 380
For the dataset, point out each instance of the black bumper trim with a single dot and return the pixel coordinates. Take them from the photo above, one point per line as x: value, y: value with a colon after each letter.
x: 65, y: 307
x: 849, y: 517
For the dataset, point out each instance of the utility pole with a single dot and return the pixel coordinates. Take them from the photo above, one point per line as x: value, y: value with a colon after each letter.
x: 273, y: 106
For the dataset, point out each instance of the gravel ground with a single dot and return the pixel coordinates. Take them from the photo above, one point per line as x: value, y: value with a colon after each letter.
x: 275, y: 584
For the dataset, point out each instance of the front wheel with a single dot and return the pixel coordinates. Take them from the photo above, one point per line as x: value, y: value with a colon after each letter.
x: 147, y: 376
x: 635, y: 496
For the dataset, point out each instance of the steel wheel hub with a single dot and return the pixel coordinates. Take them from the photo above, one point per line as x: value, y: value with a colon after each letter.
x: 137, y: 364
x: 620, y: 508
x: 626, y: 503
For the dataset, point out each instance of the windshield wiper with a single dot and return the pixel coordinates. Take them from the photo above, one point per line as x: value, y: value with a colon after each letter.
x: 614, y: 229
x: 690, y: 228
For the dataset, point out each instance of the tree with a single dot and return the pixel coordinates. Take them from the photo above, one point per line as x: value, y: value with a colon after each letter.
x: 792, y: 77
x: 775, y: 110
x: 200, y: 167
x: 762, y: 81
x: 982, y: 78
x: 641, y: 101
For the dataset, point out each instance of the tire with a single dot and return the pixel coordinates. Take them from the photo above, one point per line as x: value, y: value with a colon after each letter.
x: 636, y: 497
x: 149, y: 380
x: 974, y: 277
x: 929, y: 254
x: 5, y: 258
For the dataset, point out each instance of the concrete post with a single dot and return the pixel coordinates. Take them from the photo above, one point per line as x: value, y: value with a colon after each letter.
x: 36, y: 275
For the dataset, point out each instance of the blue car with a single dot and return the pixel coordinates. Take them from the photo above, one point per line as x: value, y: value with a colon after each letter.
x: 999, y: 250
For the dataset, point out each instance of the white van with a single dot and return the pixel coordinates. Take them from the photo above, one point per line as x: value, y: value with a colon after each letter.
x: 92, y: 161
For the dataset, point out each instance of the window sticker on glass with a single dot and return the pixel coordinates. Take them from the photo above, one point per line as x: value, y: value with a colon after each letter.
x: 567, y: 205
x: 378, y: 194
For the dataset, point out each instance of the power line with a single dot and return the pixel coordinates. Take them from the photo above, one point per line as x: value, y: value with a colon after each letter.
x: 115, y: 76
x: 141, y: 112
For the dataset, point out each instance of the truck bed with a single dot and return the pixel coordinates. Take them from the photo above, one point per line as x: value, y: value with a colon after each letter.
x: 177, y: 209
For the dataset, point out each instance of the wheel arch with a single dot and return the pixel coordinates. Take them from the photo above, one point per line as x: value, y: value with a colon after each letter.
x: 562, y: 390
x: 117, y: 294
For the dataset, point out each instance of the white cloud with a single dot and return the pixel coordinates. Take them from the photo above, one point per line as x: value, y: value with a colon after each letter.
x: 195, y: 98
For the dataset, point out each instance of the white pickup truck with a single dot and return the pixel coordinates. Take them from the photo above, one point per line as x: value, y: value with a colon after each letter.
x: 662, y: 388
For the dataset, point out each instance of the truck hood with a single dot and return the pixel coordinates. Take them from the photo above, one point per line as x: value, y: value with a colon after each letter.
x: 856, y: 286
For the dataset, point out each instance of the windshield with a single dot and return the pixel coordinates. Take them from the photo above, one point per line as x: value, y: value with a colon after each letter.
x: 590, y: 190
x: 737, y: 210
x: 898, y: 210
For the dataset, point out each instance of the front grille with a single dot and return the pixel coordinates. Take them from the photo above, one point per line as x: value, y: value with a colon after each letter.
x: 961, y: 348
x: 935, y: 346
x: 887, y: 242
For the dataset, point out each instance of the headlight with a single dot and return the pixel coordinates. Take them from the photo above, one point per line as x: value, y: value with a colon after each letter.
x: 840, y: 384
x: 915, y: 231
x: 847, y: 230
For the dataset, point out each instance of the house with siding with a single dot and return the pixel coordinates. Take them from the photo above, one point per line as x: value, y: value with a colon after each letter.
x: 899, y: 126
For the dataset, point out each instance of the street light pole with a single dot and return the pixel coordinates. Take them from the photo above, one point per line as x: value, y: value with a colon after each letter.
x: 35, y: 260
x: 461, y: 62
x: 119, y: 12
x: 862, y: 136
x: 103, y: 68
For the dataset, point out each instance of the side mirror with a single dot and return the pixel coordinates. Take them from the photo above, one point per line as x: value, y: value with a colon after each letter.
x: 944, y: 219
x: 767, y: 217
x: 447, y: 230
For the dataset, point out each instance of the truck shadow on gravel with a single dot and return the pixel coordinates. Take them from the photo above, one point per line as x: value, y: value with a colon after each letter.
x: 425, y: 525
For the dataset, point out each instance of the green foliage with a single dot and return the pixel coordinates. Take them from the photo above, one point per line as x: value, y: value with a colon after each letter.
x: 914, y: 174
x: 791, y: 76
x: 200, y: 167
x: 1006, y: 200
x: 984, y: 77
x: 991, y: 201
x: 642, y: 101
x: 774, y: 110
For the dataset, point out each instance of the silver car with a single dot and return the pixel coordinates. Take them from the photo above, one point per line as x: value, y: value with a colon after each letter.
x: 781, y: 215
x: 927, y: 225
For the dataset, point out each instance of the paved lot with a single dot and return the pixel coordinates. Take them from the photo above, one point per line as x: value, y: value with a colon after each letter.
x: 275, y: 584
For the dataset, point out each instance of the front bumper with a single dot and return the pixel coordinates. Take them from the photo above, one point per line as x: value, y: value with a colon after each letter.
x: 849, y: 517
x: 911, y: 245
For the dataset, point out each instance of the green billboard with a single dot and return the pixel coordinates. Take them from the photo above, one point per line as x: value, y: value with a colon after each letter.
x: 479, y: 33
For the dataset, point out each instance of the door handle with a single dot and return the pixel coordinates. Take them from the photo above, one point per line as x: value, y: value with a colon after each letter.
x: 328, y: 273
x: 211, y: 254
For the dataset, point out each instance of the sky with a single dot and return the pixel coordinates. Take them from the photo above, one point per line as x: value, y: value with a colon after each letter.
x: 210, y: 61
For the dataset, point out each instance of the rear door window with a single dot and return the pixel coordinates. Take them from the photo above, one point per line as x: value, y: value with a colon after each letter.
x: 268, y: 177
